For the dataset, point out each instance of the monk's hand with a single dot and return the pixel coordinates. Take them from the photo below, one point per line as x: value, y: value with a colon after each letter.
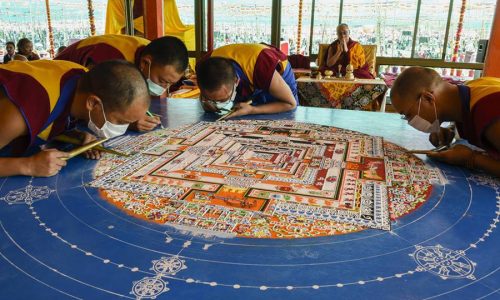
x: 208, y: 106
x: 46, y: 163
x: 339, y: 47
x: 147, y: 123
x: 443, y: 137
x: 459, y: 155
x: 344, y: 44
x: 194, y: 79
x: 91, y: 153
x: 242, y: 109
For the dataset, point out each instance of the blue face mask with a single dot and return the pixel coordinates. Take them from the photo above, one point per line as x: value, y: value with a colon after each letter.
x: 154, y: 88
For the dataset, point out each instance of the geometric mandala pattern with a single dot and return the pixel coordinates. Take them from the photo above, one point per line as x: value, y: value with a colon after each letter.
x: 151, y: 287
x: 168, y: 266
x: 443, y: 262
x: 264, y: 179
x: 27, y: 195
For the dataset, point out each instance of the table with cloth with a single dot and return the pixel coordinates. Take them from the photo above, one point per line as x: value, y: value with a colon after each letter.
x: 358, y: 94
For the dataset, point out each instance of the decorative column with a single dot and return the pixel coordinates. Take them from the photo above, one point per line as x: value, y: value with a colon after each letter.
x: 458, y: 35
x: 51, y: 35
x: 493, y: 52
x: 91, y: 17
x: 299, y: 28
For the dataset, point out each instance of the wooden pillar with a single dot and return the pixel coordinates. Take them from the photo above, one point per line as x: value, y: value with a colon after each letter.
x: 153, y: 19
x: 276, y: 24
x: 199, y: 13
x: 210, y: 25
x: 491, y: 63
x: 129, y: 17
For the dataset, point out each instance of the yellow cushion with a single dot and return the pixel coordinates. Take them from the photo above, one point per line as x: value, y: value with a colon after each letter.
x: 370, y: 56
x: 321, y: 54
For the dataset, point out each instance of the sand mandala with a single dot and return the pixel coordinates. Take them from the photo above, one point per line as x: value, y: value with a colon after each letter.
x: 264, y: 179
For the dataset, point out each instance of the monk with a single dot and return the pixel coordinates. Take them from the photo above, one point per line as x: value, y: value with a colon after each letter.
x: 162, y: 61
x: 247, y: 79
x: 344, y: 51
x: 42, y: 99
x: 426, y: 100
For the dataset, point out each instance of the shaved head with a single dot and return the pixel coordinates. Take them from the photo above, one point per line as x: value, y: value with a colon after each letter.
x: 215, y: 72
x: 410, y: 84
x: 117, y: 83
x: 343, y: 30
x: 342, y: 26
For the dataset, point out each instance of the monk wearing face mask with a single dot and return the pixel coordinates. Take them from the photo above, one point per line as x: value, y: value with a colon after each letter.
x: 42, y: 99
x: 246, y: 79
x: 423, y: 98
x: 162, y: 61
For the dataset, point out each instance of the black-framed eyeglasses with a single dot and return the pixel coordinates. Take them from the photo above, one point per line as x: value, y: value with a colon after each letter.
x: 214, y: 102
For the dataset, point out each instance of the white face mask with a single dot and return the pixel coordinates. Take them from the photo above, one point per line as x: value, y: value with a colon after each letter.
x: 154, y: 88
x: 228, y: 104
x: 108, y: 130
x: 422, y: 124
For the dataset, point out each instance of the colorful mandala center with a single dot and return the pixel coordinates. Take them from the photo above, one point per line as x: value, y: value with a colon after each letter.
x: 264, y: 179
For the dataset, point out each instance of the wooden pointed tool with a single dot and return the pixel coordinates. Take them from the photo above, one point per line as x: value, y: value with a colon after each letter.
x: 83, y: 148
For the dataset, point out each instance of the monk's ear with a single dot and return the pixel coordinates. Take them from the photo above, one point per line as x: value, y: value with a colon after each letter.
x: 92, y: 101
x: 428, y: 96
x: 145, y: 63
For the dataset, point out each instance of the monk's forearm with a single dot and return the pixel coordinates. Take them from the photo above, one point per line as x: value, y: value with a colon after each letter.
x: 486, y: 163
x: 272, y: 108
x: 333, y: 59
x: 12, y: 166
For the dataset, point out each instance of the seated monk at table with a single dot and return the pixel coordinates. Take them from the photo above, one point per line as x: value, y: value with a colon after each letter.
x: 344, y: 51
x: 426, y: 100
x: 42, y: 99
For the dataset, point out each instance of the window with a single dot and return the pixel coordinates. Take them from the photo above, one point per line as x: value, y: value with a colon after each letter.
x: 70, y: 22
x: 387, y: 23
x: 242, y: 22
x: 290, y: 26
x: 186, y: 11
x: 181, y: 22
x: 431, y: 29
x: 326, y: 19
x: 477, y: 25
